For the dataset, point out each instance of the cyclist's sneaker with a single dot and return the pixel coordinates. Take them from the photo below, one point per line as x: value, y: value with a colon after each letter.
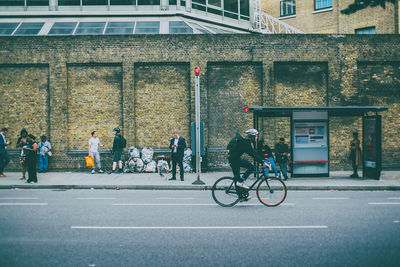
x: 93, y: 172
x: 242, y: 185
x: 101, y: 171
x: 245, y: 199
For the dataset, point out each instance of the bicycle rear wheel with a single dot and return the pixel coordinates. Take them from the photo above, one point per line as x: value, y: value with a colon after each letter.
x: 271, y: 191
x: 224, y: 192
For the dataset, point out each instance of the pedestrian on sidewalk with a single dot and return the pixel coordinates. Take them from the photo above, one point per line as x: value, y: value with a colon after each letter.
x: 118, y: 146
x: 94, y: 143
x: 44, y: 152
x: 282, y: 154
x: 4, y: 159
x: 21, y: 142
x: 355, y: 154
x: 31, y: 158
x: 265, y: 151
x: 177, y: 146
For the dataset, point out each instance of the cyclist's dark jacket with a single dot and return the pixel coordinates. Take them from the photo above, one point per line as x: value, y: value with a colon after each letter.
x: 244, y: 146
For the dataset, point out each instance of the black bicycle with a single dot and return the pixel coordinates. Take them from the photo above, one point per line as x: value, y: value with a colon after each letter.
x: 271, y: 191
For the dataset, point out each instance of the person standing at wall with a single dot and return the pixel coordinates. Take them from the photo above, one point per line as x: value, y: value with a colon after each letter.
x: 94, y: 144
x: 31, y: 158
x: 282, y: 155
x: 355, y: 154
x: 4, y: 159
x: 177, y: 146
x: 21, y: 142
x: 118, y: 146
x: 44, y: 149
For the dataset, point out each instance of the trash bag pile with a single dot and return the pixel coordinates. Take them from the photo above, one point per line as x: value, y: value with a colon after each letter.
x: 134, y: 162
x: 147, y: 157
x: 187, y: 161
x: 162, y: 166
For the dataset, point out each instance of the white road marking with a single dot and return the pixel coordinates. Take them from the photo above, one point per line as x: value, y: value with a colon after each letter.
x: 23, y: 204
x: 330, y: 198
x: 188, y: 204
x: 396, y: 221
x: 168, y: 198
x: 94, y: 198
x: 393, y: 197
x: 17, y: 198
x: 384, y: 203
x: 199, y: 227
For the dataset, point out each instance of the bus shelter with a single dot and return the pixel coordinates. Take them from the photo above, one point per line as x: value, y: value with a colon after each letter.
x: 309, y: 131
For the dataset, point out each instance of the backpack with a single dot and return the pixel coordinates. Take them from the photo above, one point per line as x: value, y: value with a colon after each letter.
x: 233, y: 144
x: 123, y: 142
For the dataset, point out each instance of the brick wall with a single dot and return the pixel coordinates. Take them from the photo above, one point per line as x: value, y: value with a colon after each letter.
x: 332, y: 20
x: 145, y: 85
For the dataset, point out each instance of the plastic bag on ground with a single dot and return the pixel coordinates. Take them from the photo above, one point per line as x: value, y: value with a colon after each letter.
x: 151, y: 167
x: 134, y: 152
x: 147, y: 155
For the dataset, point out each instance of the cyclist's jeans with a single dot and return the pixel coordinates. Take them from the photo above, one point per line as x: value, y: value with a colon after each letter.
x: 235, y: 165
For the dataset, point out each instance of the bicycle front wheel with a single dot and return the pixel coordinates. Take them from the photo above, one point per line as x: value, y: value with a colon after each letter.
x: 271, y: 191
x: 224, y: 192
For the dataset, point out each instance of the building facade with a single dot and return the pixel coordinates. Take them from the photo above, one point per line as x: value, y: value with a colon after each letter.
x: 67, y: 86
x: 325, y: 16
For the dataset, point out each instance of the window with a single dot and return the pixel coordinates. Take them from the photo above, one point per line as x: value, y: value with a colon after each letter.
x: 179, y: 27
x: 69, y: 2
x: 12, y: 3
x: 149, y: 2
x: 37, y: 2
x: 288, y: 7
x: 172, y: 2
x: 7, y: 28
x: 322, y: 4
x: 62, y: 28
x: 29, y: 28
x: 244, y: 8
x: 123, y: 2
x: 200, y: 28
x: 367, y: 30
x: 149, y: 27
x: 90, y: 28
x: 94, y: 2
x: 120, y: 27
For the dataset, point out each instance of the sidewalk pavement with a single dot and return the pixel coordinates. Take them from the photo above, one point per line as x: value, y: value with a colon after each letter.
x: 338, y: 180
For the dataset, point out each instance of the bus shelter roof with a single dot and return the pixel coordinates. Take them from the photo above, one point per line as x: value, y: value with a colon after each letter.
x: 343, y: 111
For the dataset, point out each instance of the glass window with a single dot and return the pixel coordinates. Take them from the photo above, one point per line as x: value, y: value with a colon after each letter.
x: 120, y: 27
x: 12, y: 3
x: 7, y: 28
x: 69, y: 2
x: 37, y: 2
x: 90, y: 28
x: 321, y: 4
x: 245, y: 8
x: 172, y: 2
x: 200, y: 28
x: 94, y: 2
x: 216, y: 3
x: 231, y: 5
x: 288, y: 7
x: 179, y: 27
x: 62, y: 28
x: 147, y: 27
x: 218, y: 30
x: 123, y: 2
x: 367, y: 30
x: 29, y: 28
x: 183, y: 3
x: 148, y: 2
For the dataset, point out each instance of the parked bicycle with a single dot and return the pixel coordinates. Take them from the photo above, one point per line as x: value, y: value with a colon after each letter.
x: 270, y: 191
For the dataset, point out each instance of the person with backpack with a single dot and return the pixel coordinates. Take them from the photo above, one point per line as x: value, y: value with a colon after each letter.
x: 118, y: 146
x: 237, y: 147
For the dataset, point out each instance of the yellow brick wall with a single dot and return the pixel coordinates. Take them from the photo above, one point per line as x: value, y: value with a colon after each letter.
x: 333, y: 21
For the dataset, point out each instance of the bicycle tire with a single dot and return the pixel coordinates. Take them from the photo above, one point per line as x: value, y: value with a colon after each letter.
x: 271, y: 191
x: 220, y: 192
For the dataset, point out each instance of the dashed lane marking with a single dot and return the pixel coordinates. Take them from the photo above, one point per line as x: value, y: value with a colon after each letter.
x: 172, y: 198
x: 384, y: 203
x: 23, y: 204
x: 330, y: 198
x: 393, y: 197
x: 18, y: 198
x: 190, y: 204
x: 95, y: 198
x: 199, y: 227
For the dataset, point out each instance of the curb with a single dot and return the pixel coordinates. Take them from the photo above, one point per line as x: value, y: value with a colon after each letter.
x: 195, y: 187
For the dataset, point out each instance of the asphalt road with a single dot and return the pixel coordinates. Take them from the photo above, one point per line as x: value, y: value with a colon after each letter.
x: 186, y: 228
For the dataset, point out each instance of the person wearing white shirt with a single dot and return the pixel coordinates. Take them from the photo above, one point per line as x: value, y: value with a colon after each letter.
x: 94, y: 144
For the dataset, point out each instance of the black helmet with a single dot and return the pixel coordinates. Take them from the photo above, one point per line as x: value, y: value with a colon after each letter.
x: 117, y: 129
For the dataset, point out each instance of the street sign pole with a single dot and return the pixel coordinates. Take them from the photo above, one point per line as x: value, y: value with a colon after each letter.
x: 198, y: 137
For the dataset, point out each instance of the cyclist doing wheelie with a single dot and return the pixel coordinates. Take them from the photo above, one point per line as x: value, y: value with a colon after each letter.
x: 237, y: 147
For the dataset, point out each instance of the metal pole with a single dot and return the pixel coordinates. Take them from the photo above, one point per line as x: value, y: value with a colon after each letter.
x: 198, y: 140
